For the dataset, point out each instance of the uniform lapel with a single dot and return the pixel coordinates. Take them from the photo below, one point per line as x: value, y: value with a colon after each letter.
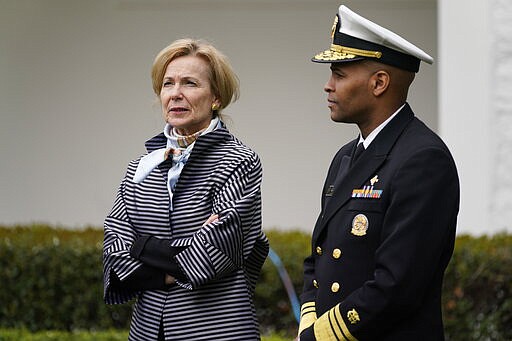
x: 343, y: 170
x: 337, y: 171
x: 365, y: 167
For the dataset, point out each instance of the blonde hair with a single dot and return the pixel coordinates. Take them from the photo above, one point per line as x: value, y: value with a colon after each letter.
x: 223, y: 80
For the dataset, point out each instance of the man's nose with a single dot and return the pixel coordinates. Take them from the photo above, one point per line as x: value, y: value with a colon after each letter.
x: 328, y: 87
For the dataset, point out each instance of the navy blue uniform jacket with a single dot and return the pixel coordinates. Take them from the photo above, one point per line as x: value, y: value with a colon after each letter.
x: 383, y: 239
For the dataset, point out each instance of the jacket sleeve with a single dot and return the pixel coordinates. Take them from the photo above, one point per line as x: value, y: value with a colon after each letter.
x: 118, y: 237
x: 157, y: 253
x: 224, y: 246
x: 416, y: 244
x: 143, y: 278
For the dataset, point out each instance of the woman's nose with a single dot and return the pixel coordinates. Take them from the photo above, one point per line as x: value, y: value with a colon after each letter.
x: 175, y: 92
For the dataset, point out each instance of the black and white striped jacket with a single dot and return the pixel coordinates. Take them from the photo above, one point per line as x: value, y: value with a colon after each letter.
x: 223, y: 259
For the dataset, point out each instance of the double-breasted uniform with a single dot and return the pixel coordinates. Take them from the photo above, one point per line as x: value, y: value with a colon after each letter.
x: 383, y: 239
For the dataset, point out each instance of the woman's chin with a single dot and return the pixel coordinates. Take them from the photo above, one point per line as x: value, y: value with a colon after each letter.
x: 175, y: 121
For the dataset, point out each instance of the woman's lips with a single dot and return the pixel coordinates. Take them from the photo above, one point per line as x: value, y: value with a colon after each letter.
x: 177, y: 110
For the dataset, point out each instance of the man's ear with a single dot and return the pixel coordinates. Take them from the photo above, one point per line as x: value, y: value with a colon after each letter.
x: 379, y: 82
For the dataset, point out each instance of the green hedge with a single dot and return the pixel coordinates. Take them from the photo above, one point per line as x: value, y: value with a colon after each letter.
x: 51, y: 279
x: 477, y: 292
x: 56, y: 335
x: 272, y: 304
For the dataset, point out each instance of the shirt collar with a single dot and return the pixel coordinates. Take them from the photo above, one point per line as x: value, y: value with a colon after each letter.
x: 369, y: 139
x: 214, y: 124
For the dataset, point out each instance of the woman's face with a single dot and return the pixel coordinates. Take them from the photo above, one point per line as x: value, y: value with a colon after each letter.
x: 186, y: 94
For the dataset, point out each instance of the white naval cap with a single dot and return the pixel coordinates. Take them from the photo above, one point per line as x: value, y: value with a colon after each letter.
x: 355, y: 38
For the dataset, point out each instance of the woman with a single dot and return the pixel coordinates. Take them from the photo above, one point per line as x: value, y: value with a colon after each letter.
x: 184, y: 236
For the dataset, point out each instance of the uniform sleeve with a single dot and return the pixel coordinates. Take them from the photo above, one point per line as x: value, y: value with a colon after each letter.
x: 118, y: 237
x: 308, y: 314
x: 308, y: 310
x: 222, y: 247
x: 417, y: 242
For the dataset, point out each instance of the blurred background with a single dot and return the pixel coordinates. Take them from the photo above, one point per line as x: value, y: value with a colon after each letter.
x: 76, y: 106
x: 76, y: 102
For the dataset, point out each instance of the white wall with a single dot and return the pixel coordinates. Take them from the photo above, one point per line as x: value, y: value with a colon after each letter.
x: 500, y: 78
x: 465, y: 110
x: 76, y: 102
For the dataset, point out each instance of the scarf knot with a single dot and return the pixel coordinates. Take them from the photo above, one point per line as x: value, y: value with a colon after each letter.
x: 178, y: 149
x: 179, y: 159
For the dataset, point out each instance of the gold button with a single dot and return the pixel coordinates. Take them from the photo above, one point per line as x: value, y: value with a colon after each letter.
x: 336, y: 253
x: 315, y: 283
x: 318, y: 250
x: 335, y: 287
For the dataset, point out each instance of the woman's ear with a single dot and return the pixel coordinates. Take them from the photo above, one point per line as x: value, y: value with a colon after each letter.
x: 216, y: 104
x: 380, y: 82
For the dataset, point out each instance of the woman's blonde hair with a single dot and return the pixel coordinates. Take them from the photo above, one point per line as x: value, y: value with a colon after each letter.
x: 223, y: 80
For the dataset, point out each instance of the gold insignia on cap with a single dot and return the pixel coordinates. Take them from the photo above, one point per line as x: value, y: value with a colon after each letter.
x: 333, y: 55
x: 359, y: 225
x: 338, y: 52
x: 357, y: 52
x: 353, y: 316
x: 334, y: 26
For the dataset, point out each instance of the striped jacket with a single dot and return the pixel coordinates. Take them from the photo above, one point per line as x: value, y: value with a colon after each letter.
x: 222, y: 260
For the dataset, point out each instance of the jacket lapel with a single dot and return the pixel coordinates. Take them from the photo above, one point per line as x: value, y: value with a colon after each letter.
x: 365, y: 167
x: 157, y: 142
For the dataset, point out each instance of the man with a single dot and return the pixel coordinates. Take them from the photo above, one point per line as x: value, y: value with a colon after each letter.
x: 386, y: 230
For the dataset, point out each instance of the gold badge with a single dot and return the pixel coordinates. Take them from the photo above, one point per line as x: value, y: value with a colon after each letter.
x: 374, y: 180
x: 359, y: 225
x: 353, y: 316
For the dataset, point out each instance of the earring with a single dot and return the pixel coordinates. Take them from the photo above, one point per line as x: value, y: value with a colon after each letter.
x: 215, y: 106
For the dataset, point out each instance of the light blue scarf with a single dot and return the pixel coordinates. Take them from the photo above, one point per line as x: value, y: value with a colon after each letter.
x: 178, y: 148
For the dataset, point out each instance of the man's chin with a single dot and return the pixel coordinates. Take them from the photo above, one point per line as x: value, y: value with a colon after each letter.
x: 337, y: 118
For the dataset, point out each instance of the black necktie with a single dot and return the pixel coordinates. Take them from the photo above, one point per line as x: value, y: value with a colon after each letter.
x: 359, y: 150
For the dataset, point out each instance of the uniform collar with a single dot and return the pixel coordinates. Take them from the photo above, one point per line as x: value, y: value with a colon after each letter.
x: 366, y: 142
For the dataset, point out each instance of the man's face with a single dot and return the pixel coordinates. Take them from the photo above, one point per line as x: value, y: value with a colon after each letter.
x: 348, y: 92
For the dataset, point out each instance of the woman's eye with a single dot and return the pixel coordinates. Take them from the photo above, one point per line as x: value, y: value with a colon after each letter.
x: 191, y: 83
x: 167, y: 83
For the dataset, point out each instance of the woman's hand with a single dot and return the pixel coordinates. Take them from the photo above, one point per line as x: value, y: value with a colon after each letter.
x: 169, y: 279
x: 212, y: 219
